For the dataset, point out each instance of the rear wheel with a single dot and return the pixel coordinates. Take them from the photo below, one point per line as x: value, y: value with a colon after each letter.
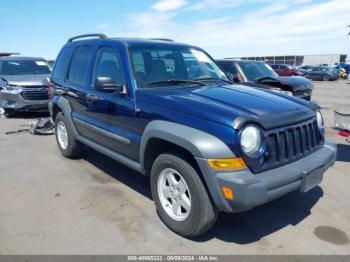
x: 325, y: 78
x: 66, y: 142
x: 180, y: 197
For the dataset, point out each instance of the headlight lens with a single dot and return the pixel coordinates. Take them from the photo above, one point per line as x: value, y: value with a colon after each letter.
x: 288, y: 93
x: 320, y: 122
x: 10, y: 88
x: 251, y: 140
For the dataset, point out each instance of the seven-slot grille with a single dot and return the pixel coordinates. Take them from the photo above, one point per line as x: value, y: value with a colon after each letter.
x: 291, y: 143
x: 36, y: 93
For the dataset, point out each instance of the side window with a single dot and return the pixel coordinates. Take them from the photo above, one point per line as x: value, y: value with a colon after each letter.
x: 229, y: 68
x: 80, y: 64
x: 283, y: 67
x: 108, y: 64
x: 61, y: 63
x: 274, y: 66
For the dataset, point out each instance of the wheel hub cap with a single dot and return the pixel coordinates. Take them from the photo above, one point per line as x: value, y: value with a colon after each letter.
x: 62, y: 135
x: 174, y: 194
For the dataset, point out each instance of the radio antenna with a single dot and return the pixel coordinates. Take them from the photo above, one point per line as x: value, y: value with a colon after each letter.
x: 122, y: 17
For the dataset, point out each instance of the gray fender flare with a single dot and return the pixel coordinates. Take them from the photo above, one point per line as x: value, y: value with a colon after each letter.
x: 63, y: 104
x: 200, y: 144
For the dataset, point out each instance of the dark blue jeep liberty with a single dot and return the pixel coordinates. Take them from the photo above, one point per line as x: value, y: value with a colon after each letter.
x: 168, y: 111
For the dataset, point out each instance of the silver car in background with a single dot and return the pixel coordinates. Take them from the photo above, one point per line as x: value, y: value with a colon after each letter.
x: 23, y: 84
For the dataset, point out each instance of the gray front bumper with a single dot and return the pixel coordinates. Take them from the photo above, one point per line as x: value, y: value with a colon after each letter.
x: 251, y: 190
x: 16, y: 101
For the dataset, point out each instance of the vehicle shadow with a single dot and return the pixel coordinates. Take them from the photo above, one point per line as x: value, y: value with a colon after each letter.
x: 251, y: 226
x: 240, y: 228
x: 119, y: 172
x: 343, y: 153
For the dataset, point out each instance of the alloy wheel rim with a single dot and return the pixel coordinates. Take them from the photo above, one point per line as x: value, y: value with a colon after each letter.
x: 174, y: 194
x: 62, y: 135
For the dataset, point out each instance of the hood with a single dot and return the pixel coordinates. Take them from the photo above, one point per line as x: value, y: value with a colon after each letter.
x: 299, y: 83
x: 231, y: 105
x: 26, y: 80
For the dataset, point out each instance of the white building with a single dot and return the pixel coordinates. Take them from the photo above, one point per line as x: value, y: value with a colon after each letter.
x: 298, y: 60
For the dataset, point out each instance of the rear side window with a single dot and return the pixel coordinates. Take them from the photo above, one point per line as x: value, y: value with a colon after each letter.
x: 274, y: 66
x: 79, y: 67
x: 61, y: 63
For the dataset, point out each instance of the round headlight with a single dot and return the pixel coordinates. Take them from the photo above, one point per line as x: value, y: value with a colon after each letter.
x: 250, y: 140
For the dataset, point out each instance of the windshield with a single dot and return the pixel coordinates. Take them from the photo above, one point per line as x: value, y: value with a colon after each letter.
x: 254, y: 71
x: 24, y: 67
x: 173, y: 65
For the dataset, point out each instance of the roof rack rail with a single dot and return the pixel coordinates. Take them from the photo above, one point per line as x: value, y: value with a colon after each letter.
x: 8, y: 54
x: 86, y: 35
x: 163, y: 39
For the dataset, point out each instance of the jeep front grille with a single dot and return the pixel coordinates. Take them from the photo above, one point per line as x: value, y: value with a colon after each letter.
x: 292, y: 143
x: 288, y: 144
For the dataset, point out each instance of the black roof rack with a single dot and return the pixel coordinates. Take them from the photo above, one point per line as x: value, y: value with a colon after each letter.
x: 86, y: 35
x: 8, y: 54
x: 163, y: 39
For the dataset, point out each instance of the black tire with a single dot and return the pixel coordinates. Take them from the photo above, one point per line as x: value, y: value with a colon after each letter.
x: 9, y: 112
x: 73, y: 148
x: 203, y: 213
x: 325, y: 78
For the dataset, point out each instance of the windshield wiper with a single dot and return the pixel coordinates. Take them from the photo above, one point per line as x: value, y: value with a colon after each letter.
x: 266, y: 78
x: 174, y: 82
x: 212, y: 79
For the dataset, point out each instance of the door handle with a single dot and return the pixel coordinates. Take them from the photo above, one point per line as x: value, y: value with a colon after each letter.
x: 91, y: 97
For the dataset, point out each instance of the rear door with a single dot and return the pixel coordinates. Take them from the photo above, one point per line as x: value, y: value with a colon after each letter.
x: 111, y: 115
x: 85, y: 109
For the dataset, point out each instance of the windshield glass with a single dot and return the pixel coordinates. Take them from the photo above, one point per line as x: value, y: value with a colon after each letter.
x: 24, y: 67
x: 254, y: 71
x: 176, y: 63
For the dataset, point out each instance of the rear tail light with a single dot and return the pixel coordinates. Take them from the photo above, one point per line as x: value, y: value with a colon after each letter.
x: 49, y: 89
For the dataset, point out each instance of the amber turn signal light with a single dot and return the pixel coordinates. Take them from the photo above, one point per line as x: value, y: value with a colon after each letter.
x: 228, y: 194
x: 227, y: 163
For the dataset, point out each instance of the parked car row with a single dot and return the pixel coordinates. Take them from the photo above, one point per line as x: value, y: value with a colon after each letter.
x: 208, y: 141
x: 323, y: 73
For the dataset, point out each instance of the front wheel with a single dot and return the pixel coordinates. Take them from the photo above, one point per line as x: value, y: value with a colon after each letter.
x: 181, y: 199
x: 325, y: 78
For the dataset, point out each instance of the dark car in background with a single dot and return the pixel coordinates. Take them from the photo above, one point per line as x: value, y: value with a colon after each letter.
x: 259, y: 74
x: 23, y: 84
x: 286, y: 70
x: 322, y: 73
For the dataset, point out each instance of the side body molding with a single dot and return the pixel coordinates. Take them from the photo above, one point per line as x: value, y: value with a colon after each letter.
x: 200, y: 144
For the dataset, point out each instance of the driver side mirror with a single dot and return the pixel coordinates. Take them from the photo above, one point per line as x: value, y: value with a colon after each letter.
x: 108, y: 85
